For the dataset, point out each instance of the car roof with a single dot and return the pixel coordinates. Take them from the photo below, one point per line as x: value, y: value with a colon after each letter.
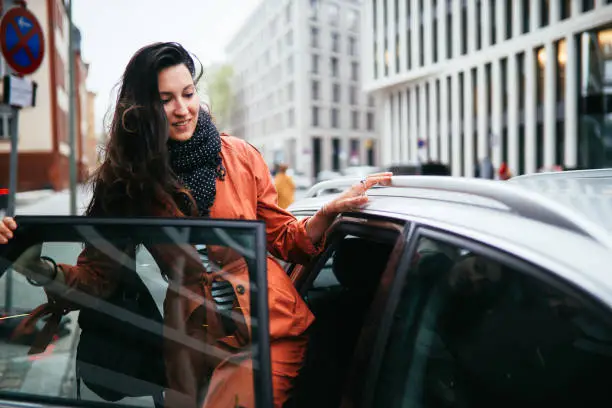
x: 588, y: 192
x: 505, y: 215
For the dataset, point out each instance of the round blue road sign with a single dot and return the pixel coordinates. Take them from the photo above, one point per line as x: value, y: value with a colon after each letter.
x: 21, y: 40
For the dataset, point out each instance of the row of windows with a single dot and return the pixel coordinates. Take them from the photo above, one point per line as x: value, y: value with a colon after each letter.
x: 466, y: 26
x: 525, y: 92
x: 334, y: 67
x: 335, y: 122
x: 334, y: 15
x: 335, y: 42
x: 336, y: 93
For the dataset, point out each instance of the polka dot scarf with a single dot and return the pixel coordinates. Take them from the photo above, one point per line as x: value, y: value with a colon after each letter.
x: 197, y: 162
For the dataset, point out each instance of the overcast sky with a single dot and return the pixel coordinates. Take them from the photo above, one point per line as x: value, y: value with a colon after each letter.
x: 112, y: 30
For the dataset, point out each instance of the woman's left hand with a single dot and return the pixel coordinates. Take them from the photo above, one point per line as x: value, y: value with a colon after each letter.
x: 355, y: 197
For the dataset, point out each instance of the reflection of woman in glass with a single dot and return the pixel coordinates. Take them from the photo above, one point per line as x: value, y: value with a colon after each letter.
x: 166, y: 158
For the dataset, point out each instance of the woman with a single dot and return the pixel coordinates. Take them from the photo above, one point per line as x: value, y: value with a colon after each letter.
x: 166, y: 156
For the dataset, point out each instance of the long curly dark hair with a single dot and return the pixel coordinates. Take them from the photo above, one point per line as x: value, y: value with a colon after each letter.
x: 135, y: 178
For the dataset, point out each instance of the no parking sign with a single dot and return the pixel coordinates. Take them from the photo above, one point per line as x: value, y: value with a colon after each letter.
x: 22, y: 40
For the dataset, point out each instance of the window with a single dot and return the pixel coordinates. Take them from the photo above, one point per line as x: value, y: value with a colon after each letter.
x: 314, y: 9
x: 355, y: 71
x: 314, y: 37
x: 352, y: 18
x: 288, y: 12
x: 289, y: 38
x: 370, y: 120
x: 291, y: 117
x: 315, y: 90
x: 335, y: 118
x: 353, y: 95
x: 315, y: 116
x: 472, y: 331
x: 566, y: 9
x: 336, y: 93
x: 352, y: 46
x: 355, y: 120
x: 105, y: 331
x: 290, y: 92
x: 334, y: 66
x: 314, y: 64
x: 335, y: 42
x: 371, y: 101
x: 290, y: 64
x: 334, y: 14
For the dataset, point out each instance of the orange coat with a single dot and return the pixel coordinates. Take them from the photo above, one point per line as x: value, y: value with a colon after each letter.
x: 247, y: 193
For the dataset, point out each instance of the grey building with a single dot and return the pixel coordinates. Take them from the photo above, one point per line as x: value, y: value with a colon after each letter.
x: 297, y: 85
x: 522, y: 82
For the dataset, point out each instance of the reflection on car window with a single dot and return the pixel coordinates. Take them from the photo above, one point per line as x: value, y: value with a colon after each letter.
x: 471, y: 332
x: 174, y: 320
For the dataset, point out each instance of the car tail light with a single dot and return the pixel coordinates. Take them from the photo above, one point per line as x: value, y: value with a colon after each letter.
x: 4, y: 191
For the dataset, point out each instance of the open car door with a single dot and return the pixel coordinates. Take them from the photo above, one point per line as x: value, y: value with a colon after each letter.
x: 161, y: 260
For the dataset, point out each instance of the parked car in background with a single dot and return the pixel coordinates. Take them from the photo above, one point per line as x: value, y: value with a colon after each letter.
x: 301, y: 181
x: 419, y: 169
x: 360, y: 171
x: 325, y: 175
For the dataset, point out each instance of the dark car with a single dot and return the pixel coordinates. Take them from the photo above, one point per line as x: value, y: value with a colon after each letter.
x: 429, y: 168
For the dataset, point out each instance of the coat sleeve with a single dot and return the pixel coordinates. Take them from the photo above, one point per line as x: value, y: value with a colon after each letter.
x: 286, y: 236
x: 95, y: 273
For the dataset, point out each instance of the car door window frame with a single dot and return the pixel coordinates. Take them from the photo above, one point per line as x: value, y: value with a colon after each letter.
x: 363, y: 226
x: 370, y: 382
x: 49, y: 228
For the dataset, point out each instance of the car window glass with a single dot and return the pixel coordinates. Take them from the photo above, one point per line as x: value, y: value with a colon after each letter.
x: 340, y: 298
x: 471, y: 332
x: 141, y: 321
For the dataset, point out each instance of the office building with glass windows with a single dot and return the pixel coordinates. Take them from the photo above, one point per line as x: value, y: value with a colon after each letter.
x: 522, y: 82
x: 297, y: 85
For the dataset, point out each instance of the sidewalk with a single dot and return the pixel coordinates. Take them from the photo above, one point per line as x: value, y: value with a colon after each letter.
x: 25, y: 198
x: 28, y: 197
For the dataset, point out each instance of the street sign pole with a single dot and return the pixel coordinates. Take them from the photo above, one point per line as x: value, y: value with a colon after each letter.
x: 72, y: 115
x: 14, y: 161
x: 22, y: 45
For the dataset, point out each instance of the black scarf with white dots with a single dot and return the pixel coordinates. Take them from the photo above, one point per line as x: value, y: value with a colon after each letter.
x: 197, y: 162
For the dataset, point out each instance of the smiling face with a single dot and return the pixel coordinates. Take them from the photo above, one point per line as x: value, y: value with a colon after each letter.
x: 180, y: 101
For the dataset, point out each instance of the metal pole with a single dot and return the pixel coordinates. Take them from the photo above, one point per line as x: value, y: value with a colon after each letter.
x: 72, y: 116
x: 14, y: 159
x: 14, y: 132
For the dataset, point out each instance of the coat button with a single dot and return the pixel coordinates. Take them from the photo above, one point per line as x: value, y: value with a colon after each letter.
x: 240, y: 289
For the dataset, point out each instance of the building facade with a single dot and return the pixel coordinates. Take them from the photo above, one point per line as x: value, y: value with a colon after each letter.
x: 44, y: 148
x: 522, y: 82
x: 297, y: 85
